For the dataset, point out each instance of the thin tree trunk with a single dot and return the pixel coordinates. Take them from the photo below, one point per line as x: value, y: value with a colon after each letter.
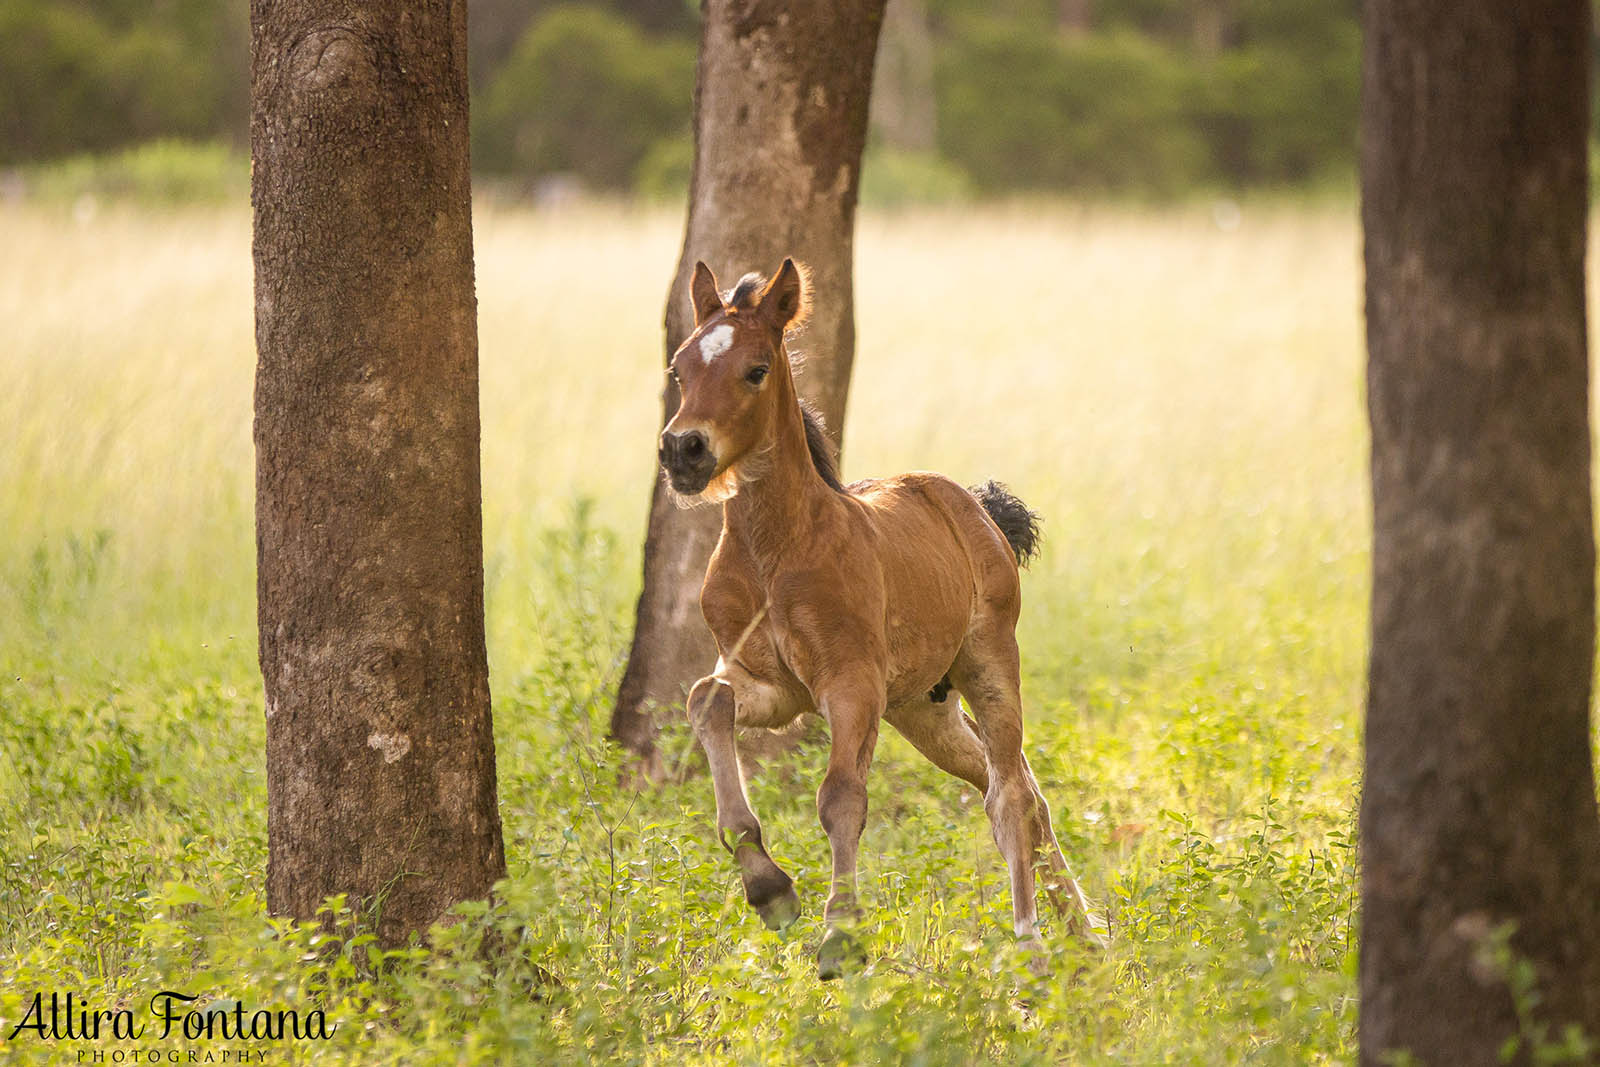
x: 903, y: 113
x: 1479, y: 811
x: 780, y: 118
x: 1212, y: 27
x: 380, y: 753
x: 1075, y: 18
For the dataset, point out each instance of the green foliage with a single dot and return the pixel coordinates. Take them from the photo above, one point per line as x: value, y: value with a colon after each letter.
x: 1024, y: 111
x: 153, y: 173
x: 1124, y: 111
x: 601, y: 91
x: 1213, y: 823
x: 891, y: 178
x: 584, y: 93
x: 666, y: 170
x: 622, y: 932
x: 76, y: 78
x: 495, y: 26
x: 56, y: 93
x: 1278, y: 115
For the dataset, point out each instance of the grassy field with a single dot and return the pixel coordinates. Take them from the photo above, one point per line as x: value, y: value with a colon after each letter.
x: 1181, y: 401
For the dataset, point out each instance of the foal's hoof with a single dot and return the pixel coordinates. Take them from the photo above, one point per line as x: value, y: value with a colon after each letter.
x: 782, y: 911
x: 776, y: 902
x: 841, y: 950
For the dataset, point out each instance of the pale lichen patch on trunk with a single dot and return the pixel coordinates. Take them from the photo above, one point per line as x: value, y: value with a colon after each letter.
x: 393, y: 746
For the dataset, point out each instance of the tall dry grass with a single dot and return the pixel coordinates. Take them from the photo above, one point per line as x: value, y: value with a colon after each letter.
x: 1132, y: 375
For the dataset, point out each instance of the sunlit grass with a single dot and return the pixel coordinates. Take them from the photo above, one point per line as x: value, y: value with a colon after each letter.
x: 1182, y: 402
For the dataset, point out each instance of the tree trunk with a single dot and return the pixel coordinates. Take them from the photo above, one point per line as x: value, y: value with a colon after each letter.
x: 1212, y: 27
x: 1075, y: 18
x: 903, y: 113
x: 1479, y: 813
x: 380, y: 753
x: 780, y: 119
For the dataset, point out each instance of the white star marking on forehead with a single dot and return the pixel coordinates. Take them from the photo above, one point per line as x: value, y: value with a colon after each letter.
x: 715, y: 341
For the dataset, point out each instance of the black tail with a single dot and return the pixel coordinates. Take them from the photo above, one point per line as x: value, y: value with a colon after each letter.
x: 1020, y: 525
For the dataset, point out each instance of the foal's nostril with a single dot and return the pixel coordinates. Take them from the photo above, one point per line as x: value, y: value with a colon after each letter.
x: 691, y: 449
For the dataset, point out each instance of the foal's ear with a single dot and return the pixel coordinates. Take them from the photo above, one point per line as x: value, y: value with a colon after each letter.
x: 783, y: 302
x: 703, y: 293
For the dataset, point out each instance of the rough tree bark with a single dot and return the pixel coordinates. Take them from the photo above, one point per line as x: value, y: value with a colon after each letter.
x: 1479, y: 806
x: 380, y: 755
x: 780, y: 119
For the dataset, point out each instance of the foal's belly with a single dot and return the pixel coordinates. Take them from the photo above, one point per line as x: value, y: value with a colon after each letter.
x: 921, y: 665
x: 929, y: 612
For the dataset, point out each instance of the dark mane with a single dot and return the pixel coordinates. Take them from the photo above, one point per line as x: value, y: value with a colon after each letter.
x: 744, y: 293
x: 820, y: 447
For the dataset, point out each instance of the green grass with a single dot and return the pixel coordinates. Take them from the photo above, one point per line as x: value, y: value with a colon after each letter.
x: 1182, y: 403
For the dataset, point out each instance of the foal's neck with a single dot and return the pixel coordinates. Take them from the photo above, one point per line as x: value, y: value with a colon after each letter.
x: 787, y: 494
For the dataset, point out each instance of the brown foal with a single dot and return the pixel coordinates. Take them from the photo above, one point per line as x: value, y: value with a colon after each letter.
x: 862, y: 603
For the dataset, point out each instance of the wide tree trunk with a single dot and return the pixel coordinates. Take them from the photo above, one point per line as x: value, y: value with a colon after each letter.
x: 380, y: 753
x: 1479, y: 813
x: 780, y: 119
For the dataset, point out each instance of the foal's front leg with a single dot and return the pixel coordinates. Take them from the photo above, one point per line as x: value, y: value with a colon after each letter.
x: 767, y: 887
x: 853, y: 708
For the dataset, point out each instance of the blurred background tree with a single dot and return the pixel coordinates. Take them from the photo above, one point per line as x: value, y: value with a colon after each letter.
x: 101, y: 74
x: 583, y: 92
x: 1123, y: 97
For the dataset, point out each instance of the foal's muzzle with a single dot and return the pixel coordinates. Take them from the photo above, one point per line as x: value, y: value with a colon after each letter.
x: 688, y: 460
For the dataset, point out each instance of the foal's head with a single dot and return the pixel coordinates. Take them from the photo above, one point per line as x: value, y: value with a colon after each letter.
x: 733, y: 377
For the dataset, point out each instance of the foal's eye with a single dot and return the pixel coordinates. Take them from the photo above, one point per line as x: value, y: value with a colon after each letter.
x: 755, y: 375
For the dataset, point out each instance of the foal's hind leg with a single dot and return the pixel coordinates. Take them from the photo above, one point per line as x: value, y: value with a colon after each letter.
x: 987, y: 674
x: 766, y: 885
x: 947, y: 737
x: 1060, y: 887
